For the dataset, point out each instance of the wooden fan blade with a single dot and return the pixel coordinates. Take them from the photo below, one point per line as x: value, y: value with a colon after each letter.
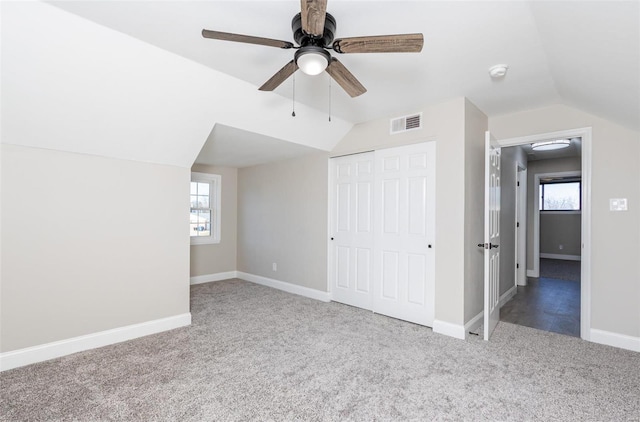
x: 280, y: 76
x: 227, y: 36
x: 313, y: 15
x: 345, y: 79
x: 403, y: 43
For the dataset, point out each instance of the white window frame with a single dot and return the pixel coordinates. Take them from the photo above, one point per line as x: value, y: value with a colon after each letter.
x: 215, y: 191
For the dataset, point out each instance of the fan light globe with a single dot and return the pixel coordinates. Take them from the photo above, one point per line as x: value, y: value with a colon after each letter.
x: 312, y: 63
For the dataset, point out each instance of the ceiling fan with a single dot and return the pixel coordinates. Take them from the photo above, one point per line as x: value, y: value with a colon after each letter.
x: 313, y: 30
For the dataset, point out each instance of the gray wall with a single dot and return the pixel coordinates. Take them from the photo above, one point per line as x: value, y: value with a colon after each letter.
x: 282, y: 218
x: 560, y: 229
x: 540, y: 167
x: 89, y: 244
x: 615, y: 236
x: 509, y: 161
x: 220, y: 257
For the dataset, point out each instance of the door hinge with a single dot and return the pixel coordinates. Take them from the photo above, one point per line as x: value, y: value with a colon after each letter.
x: 518, y: 224
x: 517, y: 265
x: 518, y: 184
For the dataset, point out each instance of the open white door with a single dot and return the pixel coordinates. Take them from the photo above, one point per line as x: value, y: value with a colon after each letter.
x: 491, y: 235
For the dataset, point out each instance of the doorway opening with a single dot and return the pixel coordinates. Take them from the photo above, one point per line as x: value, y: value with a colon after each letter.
x: 550, y: 239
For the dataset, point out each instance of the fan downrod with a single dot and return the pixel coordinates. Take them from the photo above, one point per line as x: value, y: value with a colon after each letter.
x: 303, y: 39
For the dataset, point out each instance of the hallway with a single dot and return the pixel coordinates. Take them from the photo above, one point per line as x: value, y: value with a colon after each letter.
x: 551, y: 302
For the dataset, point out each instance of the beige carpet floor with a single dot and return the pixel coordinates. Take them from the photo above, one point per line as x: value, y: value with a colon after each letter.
x: 258, y: 354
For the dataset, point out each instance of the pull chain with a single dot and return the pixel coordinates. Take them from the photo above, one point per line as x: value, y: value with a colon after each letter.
x: 293, y: 113
x: 329, y: 98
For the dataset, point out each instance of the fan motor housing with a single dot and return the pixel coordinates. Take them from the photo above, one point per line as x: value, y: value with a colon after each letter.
x: 304, y: 39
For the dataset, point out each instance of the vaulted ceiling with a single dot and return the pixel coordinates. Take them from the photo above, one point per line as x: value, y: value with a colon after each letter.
x: 585, y: 54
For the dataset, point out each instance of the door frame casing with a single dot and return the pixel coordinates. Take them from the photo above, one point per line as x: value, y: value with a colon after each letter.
x: 585, y: 231
x: 521, y: 225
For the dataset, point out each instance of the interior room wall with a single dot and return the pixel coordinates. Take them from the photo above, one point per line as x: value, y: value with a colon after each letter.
x: 557, y: 229
x: 445, y: 124
x: 541, y: 167
x: 209, y: 259
x: 510, y: 159
x: 282, y: 219
x: 89, y: 244
x: 476, y: 124
x: 615, y: 236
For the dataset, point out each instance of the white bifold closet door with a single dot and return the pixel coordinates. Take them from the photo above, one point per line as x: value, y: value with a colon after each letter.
x: 352, y: 229
x: 383, y: 229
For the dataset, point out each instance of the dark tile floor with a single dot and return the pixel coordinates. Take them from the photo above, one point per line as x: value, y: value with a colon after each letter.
x: 547, y: 304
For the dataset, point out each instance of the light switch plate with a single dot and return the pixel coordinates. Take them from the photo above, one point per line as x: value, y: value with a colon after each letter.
x: 618, y: 204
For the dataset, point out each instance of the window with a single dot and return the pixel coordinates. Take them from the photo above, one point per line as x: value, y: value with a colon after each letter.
x: 204, y: 218
x: 560, y: 195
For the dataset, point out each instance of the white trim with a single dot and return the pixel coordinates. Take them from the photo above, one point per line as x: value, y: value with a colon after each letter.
x: 449, y: 329
x: 206, y: 278
x: 560, y: 256
x: 609, y: 338
x: 474, y: 323
x: 287, y: 287
x: 29, y: 355
x: 507, y: 296
x: 521, y: 232
x: 215, y: 198
x: 585, y: 267
x: 567, y: 212
x: 585, y: 233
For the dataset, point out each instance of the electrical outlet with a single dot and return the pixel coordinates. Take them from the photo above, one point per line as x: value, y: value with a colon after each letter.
x: 560, y: 247
x: 275, y: 267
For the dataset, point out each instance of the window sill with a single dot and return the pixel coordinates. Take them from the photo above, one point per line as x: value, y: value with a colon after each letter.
x: 559, y: 212
x: 195, y: 241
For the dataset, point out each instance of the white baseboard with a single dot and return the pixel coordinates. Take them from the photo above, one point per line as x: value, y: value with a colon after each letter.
x: 622, y: 341
x: 560, y: 256
x: 507, y: 296
x: 474, y: 323
x: 198, y: 279
x: 29, y: 355
x: 287, y: 287
x: 449, y: 329
x: 533, y: 273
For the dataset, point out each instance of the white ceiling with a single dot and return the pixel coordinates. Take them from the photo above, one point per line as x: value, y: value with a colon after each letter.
x: 585, y: 54
x: 573, y: 150
x: 581, y: 53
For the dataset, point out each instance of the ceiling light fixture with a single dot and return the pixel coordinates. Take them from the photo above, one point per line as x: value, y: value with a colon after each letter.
x: 312, y: 59
x: 498, y: 71
x: 550, y: 145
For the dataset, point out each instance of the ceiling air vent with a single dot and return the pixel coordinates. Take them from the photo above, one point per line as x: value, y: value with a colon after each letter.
x: 406, y: 123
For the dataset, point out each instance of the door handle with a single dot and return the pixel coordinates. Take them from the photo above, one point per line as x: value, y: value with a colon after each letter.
x: 489, y: 246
